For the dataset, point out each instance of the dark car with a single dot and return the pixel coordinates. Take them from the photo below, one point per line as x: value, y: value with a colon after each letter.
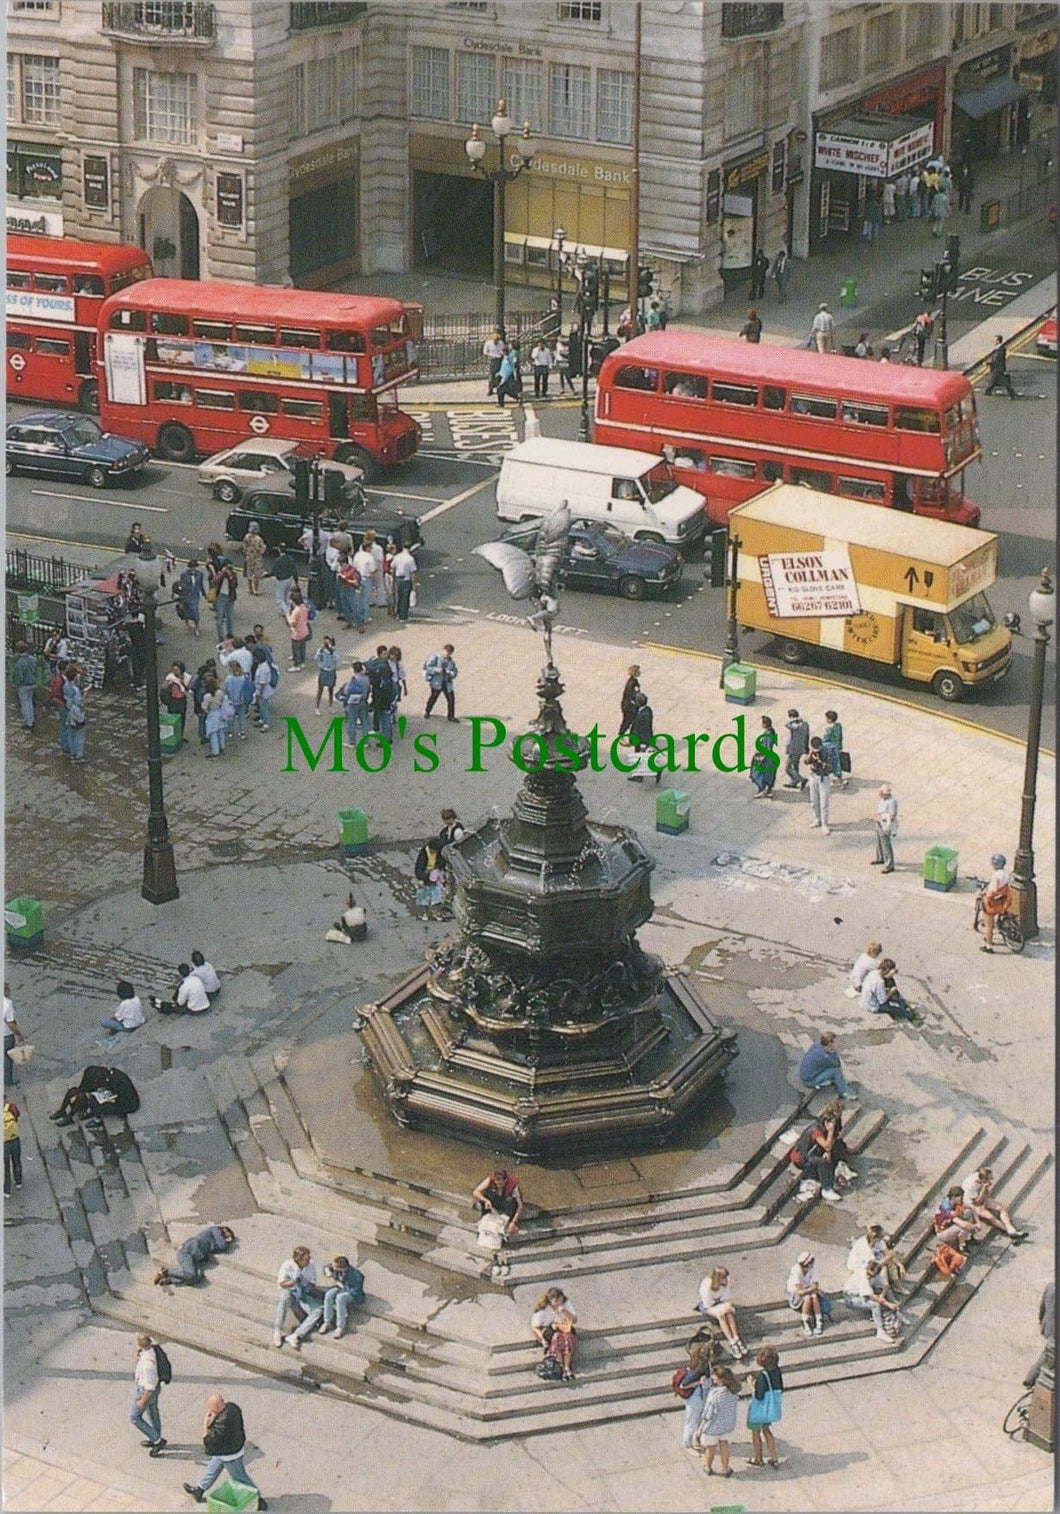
x: 71, y: 447
x: 282, y: 525
x: 601, y: 557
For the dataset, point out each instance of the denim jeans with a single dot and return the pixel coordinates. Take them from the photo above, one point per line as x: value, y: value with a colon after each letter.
x: 12, y: 1164
x: 298, y: 647
x: 383, y: 720
x: 361, y: 603
x: 357, y: 724
x: 285, y: 1302
x: 25, y: 702
x: 233, y: 1465
x: 217, y: 741
x: 337, y: 1303
x: 833, y: 1075
x: 241, y: 719
x: 693, y: 1415
x: 264, y: 703
x: 791, y: 767
x: 311, y: 1321
x: 283, y: 588
x: 867, y: 1306
x: 75, y: 739
x: 147, y: 1420
x: 402, y: 594
x: 64, y: 731
x: 112, y: 1026
x: 187, y: 1272
x: 222, y: 611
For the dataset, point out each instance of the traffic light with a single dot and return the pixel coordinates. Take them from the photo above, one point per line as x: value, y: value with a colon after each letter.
x: 928, y: 284
x: 333, y: 498
x: 589, y: 295
x: 719, y: 544
x: 953, y: 258
x: 644, y: 282
x: 574, y: 341
x: 300, y: 469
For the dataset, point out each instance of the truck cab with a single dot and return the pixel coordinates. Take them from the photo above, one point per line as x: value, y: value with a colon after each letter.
x: 955, y: 649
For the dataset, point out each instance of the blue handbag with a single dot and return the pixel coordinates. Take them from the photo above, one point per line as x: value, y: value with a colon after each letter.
x: 764, y: 1411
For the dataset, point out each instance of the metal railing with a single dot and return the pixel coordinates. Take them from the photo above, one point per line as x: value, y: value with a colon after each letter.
x: 28, y: 573
x: 451, y: 346
x: 1032, y: 199
x: 164, y: 20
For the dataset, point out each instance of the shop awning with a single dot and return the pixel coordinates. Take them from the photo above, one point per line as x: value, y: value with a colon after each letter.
x: 1000, y: 92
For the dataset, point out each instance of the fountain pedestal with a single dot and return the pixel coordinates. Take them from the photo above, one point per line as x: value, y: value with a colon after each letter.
x: 542, y: 1028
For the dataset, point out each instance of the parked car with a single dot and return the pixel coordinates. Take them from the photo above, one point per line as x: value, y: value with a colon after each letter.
x: 71, y: 447
x: 1045, y: 341
x: 267, y: 462
x: 601, y: 557
x: 282, y: 525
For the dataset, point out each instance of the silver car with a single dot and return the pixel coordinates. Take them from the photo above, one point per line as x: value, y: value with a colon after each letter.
x: 265, y: 461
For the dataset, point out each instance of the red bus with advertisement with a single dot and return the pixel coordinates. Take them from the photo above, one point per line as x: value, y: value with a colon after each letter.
x: 55, y: 290
x: 191, y: 368
x: 733, y: 417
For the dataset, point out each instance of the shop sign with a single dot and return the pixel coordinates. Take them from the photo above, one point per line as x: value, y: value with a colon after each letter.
x: 746, y: 170
x: 37, y: 223
x: 95, y: 178
x: 512, y: 49
x: 780, y: 158
x: 230, y: 199
x: 229, y: 141
x: 979, y: 70
x: 910, y: 96
x: 809, y: 584
x: 326, y: 164
x: 713, y: 195
x: 1036, y: 47
x: 574, y: 168
x: 916, y: 144
x: 861, y: 155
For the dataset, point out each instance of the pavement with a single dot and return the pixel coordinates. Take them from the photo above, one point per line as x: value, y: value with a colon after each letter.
x: 765, y: 910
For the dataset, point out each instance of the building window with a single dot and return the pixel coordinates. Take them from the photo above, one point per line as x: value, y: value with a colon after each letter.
x: 346, y: 68
x: 578, y: 10
x: 750, y: 20
x: 320, y: 94
x: 430, y: 82
x: 476, y: 87
x: 838, y: 55
x: 568, y: 101
x: 523, y: 89
x: 614, y: 105
x: 881, y: 40
x: 742, y: 100
x: 305, y: 17
x: 163, y: 107
x: 31, y: 7
x: 12, y: 88
x: 296, y: 101
x: 40, y: 91
x: 921, y: 28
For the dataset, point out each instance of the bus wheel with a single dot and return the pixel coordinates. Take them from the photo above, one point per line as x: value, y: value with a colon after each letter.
x: 175, y: 443
x: 359, y: 458
x: 791, y: 652
x: 949, y: 687
x: 88, y: 399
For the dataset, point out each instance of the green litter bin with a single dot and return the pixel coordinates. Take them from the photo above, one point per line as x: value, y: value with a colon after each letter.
x: 24, y: 922
x: 848, y: 293
x: 169, y: 733
x: 940, y: 868
x: 227, y: 1496
x: 671, y: 811
x: 353, y: 832
x: 740, y: 682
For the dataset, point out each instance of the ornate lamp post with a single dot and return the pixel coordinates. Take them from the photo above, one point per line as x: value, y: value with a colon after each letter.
x: 560, y: 236
x: 160, y: 871
x: 500, y: 177
x: 1042, y: 608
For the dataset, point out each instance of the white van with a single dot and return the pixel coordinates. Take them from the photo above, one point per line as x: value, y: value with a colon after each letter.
x: 631, y: 490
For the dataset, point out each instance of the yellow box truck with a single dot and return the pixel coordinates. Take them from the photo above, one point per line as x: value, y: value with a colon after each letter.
x: 883, y: 586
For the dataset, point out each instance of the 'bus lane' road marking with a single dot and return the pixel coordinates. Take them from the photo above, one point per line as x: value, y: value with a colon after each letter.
x: 99, y: 499
x: 458, y: 499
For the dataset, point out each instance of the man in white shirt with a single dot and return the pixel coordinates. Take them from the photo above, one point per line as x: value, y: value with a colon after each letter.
x: 885, y: 824
x: 822, y: 327
x: 493, y: 349
x: 204, y: 971
x: 12, y: 1033
x: 403, y: 567
x: 541, y: 361
x: 236, y: 655
x: 866, y: 1289
x: 129, y: 1014
x: 296, y: 1279
x: 877, y: 998
x: 364, y: 562
x: 804, y: 1293
x: 979, y: 1198
x: 863, y: 965
x: 997, y: 898
x: 191, y: 999
x: 144, y: 1414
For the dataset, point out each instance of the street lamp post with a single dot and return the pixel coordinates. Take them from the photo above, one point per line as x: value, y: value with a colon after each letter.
x: 160, y: 871
x: 500, y: 177
x: 731, y: 653
x: 1024, y: 886
x: 560, y: 235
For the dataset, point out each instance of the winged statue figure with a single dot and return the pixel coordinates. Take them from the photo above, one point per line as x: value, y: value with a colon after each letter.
x: 534, y: 577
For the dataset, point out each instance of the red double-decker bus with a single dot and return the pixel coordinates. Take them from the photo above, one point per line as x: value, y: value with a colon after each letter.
x: 734, y: 417
x: 192, y: 367
x: 55, y: 290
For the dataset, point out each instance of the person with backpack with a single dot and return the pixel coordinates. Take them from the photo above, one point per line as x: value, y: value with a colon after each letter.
x: 691, y: 1384
x: 440, y: 672
x: 383, y: 693
x: 266, y: 677
x: 225, y: 1441
x: 152, y: 1370
x: 353, y: 696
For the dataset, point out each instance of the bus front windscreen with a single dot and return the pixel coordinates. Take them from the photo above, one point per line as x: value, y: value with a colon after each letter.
x: 972, y: 619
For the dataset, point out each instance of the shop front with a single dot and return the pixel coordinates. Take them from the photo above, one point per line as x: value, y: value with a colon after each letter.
x: 742, y: 205
x: 34, y: 189
x: 1037, y: 67
x: 452, y: 219
x: 323, y: 187
x: 853, y: 155
x: 921, y: 95
x: 991, y: 113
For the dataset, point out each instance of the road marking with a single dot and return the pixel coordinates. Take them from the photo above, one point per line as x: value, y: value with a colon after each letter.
x: 482, y: 430
x: 450, y: 504
x: 63, y: 541
x: 428, y: 499
x: 99, y: 499
x: 459, y: 457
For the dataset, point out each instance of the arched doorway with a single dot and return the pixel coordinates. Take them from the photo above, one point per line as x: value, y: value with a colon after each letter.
x: 169, y: 232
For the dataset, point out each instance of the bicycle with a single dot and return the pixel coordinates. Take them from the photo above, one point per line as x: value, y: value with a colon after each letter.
x: 1015, y: 1422
x: 1008, y: 927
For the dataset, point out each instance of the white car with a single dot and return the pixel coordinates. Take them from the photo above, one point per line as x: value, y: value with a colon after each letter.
x: 267, y: 461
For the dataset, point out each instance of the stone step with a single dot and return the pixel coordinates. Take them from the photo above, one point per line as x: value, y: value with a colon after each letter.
x: 67, y: 1196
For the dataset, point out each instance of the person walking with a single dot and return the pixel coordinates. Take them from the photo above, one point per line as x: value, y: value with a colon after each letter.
x: 999, y: 374
x: 889, y: 202
x: 283, y: 571
x: 718, y: 1421
x: 225, y: 1442
x: 885, y: 823
x: 144, y: 1415
x: 74, y: 702
x: 940, y: 209
x: 541, y: 362
x: 766, y: 1406
x: 628, y: 701
x: 353, y: 696
x: 798, y: 745
x: 822, y: 1065
x: 923, y: 326
x: 24, y: 677
x: 191, y: 586
x: 819, y: 766
x: 779, y: 273
x: 440, y: 672
x: 493, y: 350
x: 965, y: 184
x: 562, y: 356
x: 821, y: 328
x: 403, y: 567
x: 253, y: 557
x: 509, y: 378
x: 642, y: 735
x: 12, y: 1147
x: 225, y: 585
x: 765, y: 762
x: 1043, y: 156
x: 751, y: 330
x: 298, y: 620
x: 759, y: 274
x: 327, y: 661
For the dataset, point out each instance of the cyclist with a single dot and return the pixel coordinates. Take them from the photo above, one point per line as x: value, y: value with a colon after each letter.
x: 996, y: 897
